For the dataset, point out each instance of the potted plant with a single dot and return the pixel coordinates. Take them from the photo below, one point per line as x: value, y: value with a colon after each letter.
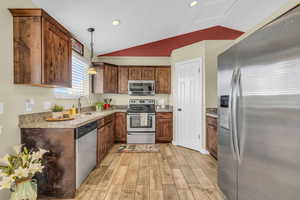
x: 17, y: 172
x: 57, y: 112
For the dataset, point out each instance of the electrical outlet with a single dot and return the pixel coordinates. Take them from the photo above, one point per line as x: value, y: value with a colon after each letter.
x: 1, y: 108
x: 28, y: 105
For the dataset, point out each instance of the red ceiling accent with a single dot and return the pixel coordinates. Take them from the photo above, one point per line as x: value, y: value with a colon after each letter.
x: 166, y: 46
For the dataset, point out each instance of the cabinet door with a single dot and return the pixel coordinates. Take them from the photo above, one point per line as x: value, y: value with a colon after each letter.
x: 106, y: 140
x: 120, y: 127
x: 164, y: 130
x: 163, y: 80
x: 111, y: 134
x: 107, y: 79
x: 123, y: 75
x: 148, y: 73
x: 57, y: 56
x: 97, y: 80
x: 110, y: 79
x: 114, y: 79
x: 101, y: 144
x: 211, y: 140
x: 135, y: 73
x: 98, y: 146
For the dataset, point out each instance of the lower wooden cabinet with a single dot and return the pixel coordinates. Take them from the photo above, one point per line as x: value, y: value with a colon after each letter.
x: 164, y: 127
x: 59, y: 175
x: 120, y: 127
x: 211, y: 136
x: 105, y: 136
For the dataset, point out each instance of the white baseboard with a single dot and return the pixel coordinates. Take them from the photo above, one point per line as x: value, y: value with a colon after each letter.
x: 204, y: 151
x: 174, y: 142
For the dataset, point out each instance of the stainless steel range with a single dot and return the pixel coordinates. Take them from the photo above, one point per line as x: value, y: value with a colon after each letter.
x: 141, y: 121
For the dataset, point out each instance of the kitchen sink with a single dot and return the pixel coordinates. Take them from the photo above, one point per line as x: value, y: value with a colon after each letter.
x: 87, y: 113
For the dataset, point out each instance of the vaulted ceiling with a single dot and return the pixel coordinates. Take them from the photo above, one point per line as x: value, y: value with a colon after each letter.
x: 152, y: 20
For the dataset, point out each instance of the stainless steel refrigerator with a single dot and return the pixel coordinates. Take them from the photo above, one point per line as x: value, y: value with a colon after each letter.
x: 259, y: 114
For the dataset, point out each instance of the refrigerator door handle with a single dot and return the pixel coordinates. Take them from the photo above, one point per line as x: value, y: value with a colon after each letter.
x: 231, y: 111
x: 240, y: 94
x: 235, y: 113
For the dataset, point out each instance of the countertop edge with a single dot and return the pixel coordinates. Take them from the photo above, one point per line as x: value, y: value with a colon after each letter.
x: 212, y: 115
x: 61, y: 125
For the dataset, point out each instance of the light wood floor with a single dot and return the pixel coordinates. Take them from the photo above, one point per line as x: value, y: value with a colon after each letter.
x: 175, y: 173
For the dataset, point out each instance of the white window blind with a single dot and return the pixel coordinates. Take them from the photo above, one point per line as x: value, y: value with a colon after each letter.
x: 80, y: 81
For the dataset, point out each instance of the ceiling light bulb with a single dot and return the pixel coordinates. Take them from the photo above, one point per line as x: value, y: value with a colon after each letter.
x: 116, y: 22
x: 192, y: 4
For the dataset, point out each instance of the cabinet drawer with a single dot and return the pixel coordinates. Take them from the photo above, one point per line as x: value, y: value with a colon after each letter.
x: 108, y: 119
x: 211, y: 121
x: 105, y: 120
x: 164, y: 115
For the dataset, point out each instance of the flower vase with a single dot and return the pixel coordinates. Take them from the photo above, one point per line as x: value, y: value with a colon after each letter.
x: 24, y: 190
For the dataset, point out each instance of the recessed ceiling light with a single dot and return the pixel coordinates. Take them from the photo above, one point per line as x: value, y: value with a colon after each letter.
x: 116, y: 22
x: 193, y: 3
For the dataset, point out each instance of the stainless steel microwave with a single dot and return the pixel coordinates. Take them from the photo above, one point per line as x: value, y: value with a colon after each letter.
x: 141, y: 88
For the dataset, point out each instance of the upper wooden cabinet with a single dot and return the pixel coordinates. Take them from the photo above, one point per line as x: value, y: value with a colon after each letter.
x: 106, y: 79
x: 123, y: 74
x: 135, y: 73
x: 141, y: 73
x: 163, y: 80
x: 114, y: 79
x: 42, y: 49
x: 148, y: 73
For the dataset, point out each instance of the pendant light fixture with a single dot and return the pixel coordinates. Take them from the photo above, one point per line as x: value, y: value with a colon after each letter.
x: 92, y: 69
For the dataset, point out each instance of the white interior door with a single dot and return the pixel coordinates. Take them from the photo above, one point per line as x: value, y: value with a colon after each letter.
x: 188, y: 104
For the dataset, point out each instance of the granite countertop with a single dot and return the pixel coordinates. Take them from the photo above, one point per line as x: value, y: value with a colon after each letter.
x: 79, y: 120
x: 38, y: 120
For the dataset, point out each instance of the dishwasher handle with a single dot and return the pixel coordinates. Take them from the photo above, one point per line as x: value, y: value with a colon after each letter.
x: 85, y: 129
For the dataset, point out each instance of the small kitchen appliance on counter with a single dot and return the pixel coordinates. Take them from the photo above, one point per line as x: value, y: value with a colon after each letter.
x: 141, y: 121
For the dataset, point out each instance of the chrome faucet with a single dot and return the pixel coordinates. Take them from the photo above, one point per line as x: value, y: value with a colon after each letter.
x: 79, y: 105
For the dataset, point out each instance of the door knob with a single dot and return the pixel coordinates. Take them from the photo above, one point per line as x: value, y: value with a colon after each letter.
x: 179, y: 109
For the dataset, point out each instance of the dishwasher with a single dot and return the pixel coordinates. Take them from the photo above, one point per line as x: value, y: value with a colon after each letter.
x: 86, y: 151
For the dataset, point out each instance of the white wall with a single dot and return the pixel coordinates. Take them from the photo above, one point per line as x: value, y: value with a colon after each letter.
x: 212, y: 50
x: 135, y: 60
x: 14, y: 96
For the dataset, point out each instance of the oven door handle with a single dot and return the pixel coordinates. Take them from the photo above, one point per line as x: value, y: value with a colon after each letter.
x: 138, y: 114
